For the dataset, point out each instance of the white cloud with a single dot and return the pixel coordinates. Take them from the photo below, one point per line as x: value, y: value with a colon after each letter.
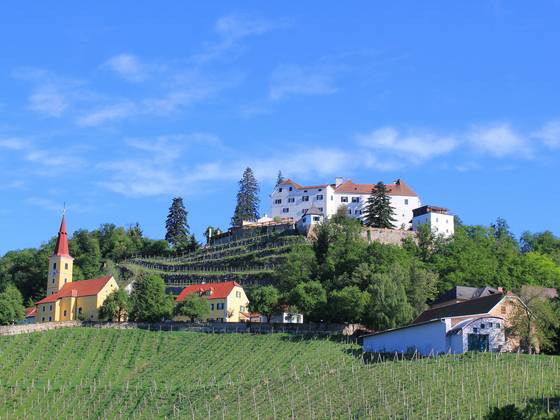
x: 49, y: 99
x: 127, y: 66
x: 14, y: 144
x: 108, y: 113
x: 291, y: 80
x: 416, y: 147
x: 550, y: 134
x: 499, y: 141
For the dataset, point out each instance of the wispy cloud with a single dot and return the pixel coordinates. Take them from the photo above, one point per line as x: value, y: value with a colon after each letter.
x: 414, y: 147
x: 292, y: 80
x: 49, y: 99
x: 499, y: 140
x: 14, y: 144
x: 127, y: 66
x: 550, y: 134
x: 108, y: 113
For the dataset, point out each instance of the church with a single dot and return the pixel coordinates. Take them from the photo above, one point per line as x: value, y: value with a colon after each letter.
x: 69, y: 300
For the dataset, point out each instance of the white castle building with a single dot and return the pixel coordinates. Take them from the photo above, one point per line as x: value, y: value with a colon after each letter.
x: 292, y: 200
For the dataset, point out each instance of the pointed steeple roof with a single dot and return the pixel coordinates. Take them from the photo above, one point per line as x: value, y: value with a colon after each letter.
x: 61, y: 248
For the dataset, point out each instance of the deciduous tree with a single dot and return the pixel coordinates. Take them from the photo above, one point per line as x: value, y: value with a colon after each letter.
x: 264, y: 300
x: 115, y: 307
x: 193, y: 307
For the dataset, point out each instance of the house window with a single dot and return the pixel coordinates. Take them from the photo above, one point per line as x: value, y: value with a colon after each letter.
x: 344, y: 199
x: 280, y: 189
x: 490, y: 325
x: 406, y: 201
x: 238, y: 294
x: 278, y: 201
x: 211, y: 306
x: 355, y: 199
x: 241, y: 309
x: 319, y: 197
x: 44, y: 308
x: 475, y: 330
x: 320, y: 208
x: 349, y: 211
x: 332, y: 197
x: 290, y: 189
x: 50, y: 307
x: 305, y: 198
x: 316, y: 218
x: 291, y: 200
x: 482, y: 326
x: 286, y: 210
x: 66, y: 266
x: 220, y: 306
x: 358, y: 212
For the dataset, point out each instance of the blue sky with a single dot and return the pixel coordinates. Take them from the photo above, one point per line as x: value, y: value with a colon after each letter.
x: 115, y: 108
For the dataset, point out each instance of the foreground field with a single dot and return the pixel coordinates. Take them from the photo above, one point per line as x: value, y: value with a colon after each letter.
x: 102, y: 373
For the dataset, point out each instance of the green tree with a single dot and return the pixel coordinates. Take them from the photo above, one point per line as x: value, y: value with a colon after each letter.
x: 193, y: 307
x: 388, y: 306
x: 534, y: 322
x: 149, y: 303
x: 247, y: 207
x: 300, y: 266
x: 11, y: 305
x: 379, y: 212
x: 348, y: 304
x: 309, y: 298
x: 85, y: 248
x: 421, y: 288
x: 176, y: 226
x: 279, y: 178
x: 538, y: 269
x: 264, y: 300
x: 115, y: 307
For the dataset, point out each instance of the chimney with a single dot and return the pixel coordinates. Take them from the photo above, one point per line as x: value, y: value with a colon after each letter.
x: 338, y: 180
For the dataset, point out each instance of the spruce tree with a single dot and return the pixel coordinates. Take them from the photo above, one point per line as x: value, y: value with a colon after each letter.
x: 280, y: 178
x: 177, y: 229
x: 379, y: 212
x: 247, y: 208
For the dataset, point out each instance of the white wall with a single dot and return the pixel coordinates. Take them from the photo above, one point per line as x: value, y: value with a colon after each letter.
x: 402, y: 205
x: 440, y: 224
x: 425, y: 338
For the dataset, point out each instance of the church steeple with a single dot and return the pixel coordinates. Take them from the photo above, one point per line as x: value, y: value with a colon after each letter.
x: 61, y: 248
x: 60, y: 262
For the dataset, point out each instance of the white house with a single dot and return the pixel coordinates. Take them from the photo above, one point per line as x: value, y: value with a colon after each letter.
x: 442, y: 335
x: 290, y: 199
x: 440, y: 221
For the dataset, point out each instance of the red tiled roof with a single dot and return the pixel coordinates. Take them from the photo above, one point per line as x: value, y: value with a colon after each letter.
x: 79, y: 288
x: 219, y: 290
x: 30, y: 312
x: 397, y: 188
x: 61, y: 248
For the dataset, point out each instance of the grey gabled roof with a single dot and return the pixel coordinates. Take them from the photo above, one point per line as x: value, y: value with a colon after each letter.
x: 465, y: 293
x: 476, y: 306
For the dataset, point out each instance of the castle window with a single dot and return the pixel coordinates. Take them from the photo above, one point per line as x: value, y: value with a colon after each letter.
x: 291, y: 200
x: 278, y: 201
x: 305, y: 198
x: 286, y: 210
x: 290, y: 188
x: 319, y: 197
x: 355, y: 199
x: 280, y: 189
x: 406, y: 201
x: 344, y: 199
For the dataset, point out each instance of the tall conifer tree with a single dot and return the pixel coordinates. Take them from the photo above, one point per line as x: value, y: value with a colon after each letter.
x: 379, y: 212
x: 247, y: 208
x: 177, y: 228
x: 280, y: 178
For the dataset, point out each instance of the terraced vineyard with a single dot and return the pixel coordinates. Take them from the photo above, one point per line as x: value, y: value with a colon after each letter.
x: 248, y: 261
x: 104, y: 373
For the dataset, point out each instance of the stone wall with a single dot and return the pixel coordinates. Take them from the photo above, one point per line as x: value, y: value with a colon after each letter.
x: 211, y: 327
x: 29, y: 328
x: 387, y: 236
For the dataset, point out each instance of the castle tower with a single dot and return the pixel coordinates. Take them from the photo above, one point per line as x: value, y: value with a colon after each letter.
x: 60, y: 263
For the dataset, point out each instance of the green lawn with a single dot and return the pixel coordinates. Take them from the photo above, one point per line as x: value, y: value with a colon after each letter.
x: 100, y: 373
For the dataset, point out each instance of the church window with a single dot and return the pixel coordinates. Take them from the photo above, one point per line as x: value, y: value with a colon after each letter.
x: 79, y: 310
x: 50, y: 318
x: 53, y: 281
x: 65, y: 312
x: 54, y: 266
x: 65, y: 280
x: 66, y: 266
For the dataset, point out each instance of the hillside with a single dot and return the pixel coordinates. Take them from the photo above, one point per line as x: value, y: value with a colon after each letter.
x: 250, y: 260
x: 94, y: 373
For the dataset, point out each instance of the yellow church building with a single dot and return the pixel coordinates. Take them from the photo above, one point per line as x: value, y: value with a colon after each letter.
x: 69, y: 300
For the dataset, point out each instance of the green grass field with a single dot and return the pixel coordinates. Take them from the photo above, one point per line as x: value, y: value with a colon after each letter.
x: 105, y: 373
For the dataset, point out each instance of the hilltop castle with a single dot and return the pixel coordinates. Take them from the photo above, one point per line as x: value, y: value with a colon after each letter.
x: 69, y: 300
